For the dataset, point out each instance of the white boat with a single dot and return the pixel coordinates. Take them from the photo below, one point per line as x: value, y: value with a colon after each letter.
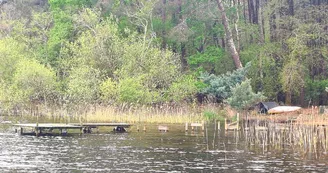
x: 283, y: 109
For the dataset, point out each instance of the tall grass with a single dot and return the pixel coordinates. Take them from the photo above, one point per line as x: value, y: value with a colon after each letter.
x: 305, y: 133
x: 145, y: 114
x: 165, y: 113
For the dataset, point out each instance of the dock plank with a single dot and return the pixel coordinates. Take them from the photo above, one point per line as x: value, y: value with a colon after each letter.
x: 102, y: 124
x: 48, y: 125
x: 71, y: 125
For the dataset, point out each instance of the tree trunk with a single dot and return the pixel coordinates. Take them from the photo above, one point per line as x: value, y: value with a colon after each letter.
x: 261, y: 28
x: 256, y: 11
x: 183, y: 45
x: 302, y: 97
x: 164, y: 23
x: 249, y: 8
x: 273, y: 27
x: 291, y: 7
x: 230, y: 42
x: 288, y: 100
x: 236, y: 28
x: 183, y: 56
x: 244, y: 7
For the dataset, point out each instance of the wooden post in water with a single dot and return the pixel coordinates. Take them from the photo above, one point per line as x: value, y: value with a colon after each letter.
x: 203, y: 125
x: 186, y: 127
x: 225, y: 124
x: 36, y: 129
x: 138, y: 128
x: 37, y: 125
x: 219, y: 128
x: 21, y: 131
x: 237, y: 121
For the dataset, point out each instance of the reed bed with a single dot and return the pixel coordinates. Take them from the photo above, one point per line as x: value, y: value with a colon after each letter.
x: 305, y: 133
x: 165, y: 113
x: 144, y: 114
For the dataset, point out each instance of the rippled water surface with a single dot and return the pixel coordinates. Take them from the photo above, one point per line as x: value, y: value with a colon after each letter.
x: 151, y: 151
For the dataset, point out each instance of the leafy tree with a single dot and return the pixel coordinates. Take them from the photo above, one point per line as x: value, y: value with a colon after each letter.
x: 160, y: 68
x: 33, y: 82
x: 292, y: 78
x: 83, y: 84
x: 131, y: 90
x: 63, y: 28
x: 11, y: 52
x: 182, y: 89
x: 212, y: 60
x: 220, y: 86
x: 243, y: 96
x: 98, y: 44
x: 316, y: 91
x: 266, y: 65
x: 108, y: 90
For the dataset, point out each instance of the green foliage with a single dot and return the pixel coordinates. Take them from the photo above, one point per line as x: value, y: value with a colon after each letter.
x: 62, y: 4
x: 63, y: 27
x: 100, y: 58
x: 102, y: 52
x: 83, y: 84
x: 243, y: 96
x: 293, y: 77
x: 11, y: 52
x: 11, y: 96
x: 206, y: 60
x: 59, y: 33
x: 316, y: 89
x: 32, y: 82
x: 131, y: 90
x: 220, y: 86
x: 182, y: 88
x: 108, y: 90
x: 160, y: 68
x: 264, y: 69
x: 212, y: 116
x: 224, y: 65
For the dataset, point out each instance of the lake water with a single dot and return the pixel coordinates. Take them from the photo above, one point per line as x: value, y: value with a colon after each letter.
x: 151, y: 151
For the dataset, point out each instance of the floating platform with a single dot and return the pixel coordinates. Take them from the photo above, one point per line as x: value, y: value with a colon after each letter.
x: 40, y: 128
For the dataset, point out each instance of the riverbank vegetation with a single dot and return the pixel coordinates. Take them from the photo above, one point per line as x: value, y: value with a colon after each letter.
x: 145, y: 60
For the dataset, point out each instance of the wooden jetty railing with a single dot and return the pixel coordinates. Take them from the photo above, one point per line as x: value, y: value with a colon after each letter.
x: 195, y: 125
x: 232, y: 125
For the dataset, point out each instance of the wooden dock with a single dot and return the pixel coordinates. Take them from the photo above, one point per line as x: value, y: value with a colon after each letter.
x: 95, y: 125
x: 39, y: 128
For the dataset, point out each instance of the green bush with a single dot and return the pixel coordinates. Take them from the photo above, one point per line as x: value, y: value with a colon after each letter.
x: 220, y: 86
x: 83, y: 84
x: 184, y: 88
x: 210, y: 116
x: 243, y: 96
x: 108, y: 90
x: 131, y: 90
x: 33, y: 80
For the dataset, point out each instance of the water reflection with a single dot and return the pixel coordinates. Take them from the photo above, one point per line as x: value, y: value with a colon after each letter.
x: 151, y: 151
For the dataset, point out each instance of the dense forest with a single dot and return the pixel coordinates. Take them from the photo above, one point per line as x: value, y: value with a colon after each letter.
x: 75, y: 53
